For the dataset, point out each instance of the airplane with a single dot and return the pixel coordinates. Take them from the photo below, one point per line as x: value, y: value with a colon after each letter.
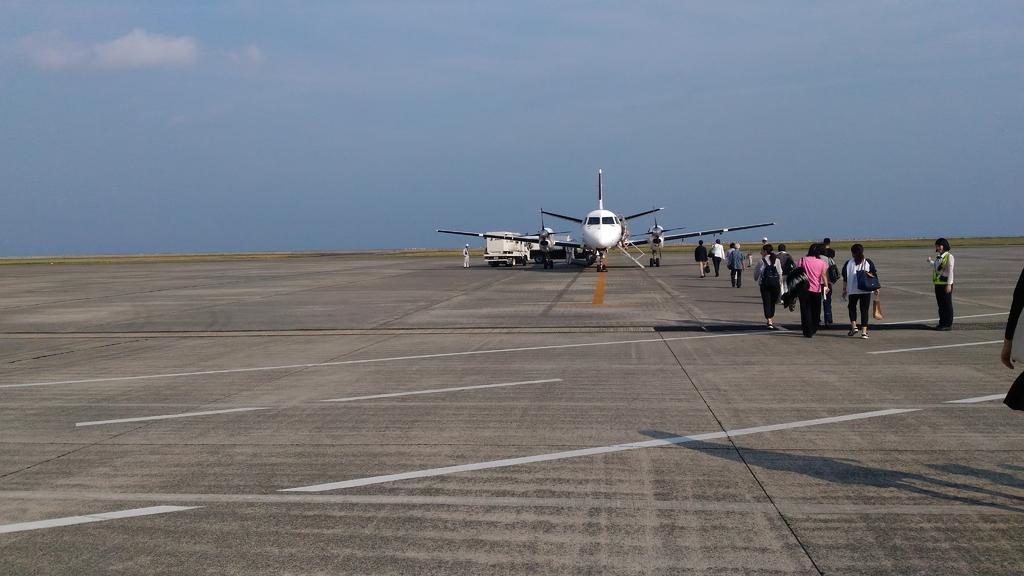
x: 602, y: 230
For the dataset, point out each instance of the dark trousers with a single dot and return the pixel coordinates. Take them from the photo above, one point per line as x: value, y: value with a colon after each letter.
x: 945, y: 302
x: 717, y: 262
x: 736, y: 275
x: 769, y: 297
x: 826, y: 303
x: 810, y: 311
x: 862, y: 301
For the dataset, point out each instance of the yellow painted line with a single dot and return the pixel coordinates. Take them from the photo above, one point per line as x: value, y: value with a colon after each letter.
x: 599, y: 290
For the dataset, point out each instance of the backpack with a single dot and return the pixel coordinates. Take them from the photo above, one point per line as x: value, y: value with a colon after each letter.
x: 833, y: 272
x: 787, y: 263
x: 770, y: 276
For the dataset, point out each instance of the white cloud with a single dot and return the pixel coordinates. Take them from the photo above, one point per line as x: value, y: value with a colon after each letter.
x: 137, y: 49
x: 248, y: 55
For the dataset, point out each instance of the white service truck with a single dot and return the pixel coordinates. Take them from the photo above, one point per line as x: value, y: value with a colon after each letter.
x: 507, y: 249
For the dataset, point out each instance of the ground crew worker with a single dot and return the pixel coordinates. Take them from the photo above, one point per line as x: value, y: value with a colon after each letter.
x: 942, y: 278
x: 465, y: 256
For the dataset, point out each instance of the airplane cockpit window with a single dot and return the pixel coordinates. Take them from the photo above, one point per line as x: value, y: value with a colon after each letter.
x: 608, y: 220
x: 593, y: 220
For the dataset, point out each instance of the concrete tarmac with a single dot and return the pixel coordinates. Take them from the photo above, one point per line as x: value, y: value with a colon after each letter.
x: 521, y: 421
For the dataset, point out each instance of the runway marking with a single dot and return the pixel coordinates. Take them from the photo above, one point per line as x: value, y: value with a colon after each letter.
x: 166, y: 416
x: 936, y: 347
x: 978, y: 399
x: 72, y: 520
x: 390, y: 359
x: 590, y: 451
x: 936, y: 319
x: 598, y: 299
x: 438, y: 390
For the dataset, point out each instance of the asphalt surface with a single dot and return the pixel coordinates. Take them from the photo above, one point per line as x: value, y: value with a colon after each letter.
x: 603, y: 451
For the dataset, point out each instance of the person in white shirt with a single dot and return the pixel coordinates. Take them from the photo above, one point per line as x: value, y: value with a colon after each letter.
x: 858, y: 298
x: 717, y: 254
x: 768, y: 276
x: 465, y: 256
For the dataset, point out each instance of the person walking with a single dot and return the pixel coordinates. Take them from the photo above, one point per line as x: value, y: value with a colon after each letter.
x: 786, y: 259
x: 700, y: 254
x: 717, y: 253
x: 859, y: 298
x: 942, y: 278
x: 817, y: 284
x: 737, y: 261
x: 465, y: 256
x: 768, y: 276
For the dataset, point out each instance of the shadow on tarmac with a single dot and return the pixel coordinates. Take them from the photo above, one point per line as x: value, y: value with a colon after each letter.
x: 853, y: 473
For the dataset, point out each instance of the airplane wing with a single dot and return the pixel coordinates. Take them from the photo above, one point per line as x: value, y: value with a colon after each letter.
x: 668, y: 237
x: 569, y: 218
x: 645, y: 213
x: 533, y: 239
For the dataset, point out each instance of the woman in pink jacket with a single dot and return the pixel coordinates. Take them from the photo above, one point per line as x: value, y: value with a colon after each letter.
x: 810, y: 301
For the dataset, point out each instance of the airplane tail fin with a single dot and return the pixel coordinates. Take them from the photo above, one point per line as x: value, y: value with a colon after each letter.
x: 600, y: 191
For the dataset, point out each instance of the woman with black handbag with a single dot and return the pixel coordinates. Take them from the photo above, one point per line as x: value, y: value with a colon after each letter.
x: 860, y: 281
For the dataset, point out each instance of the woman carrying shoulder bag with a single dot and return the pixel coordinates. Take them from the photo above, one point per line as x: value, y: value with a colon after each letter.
x: 817, y: 285
x: 860, y: 297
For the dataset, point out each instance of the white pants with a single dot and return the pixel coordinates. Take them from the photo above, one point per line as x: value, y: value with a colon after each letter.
x: 465, y: 261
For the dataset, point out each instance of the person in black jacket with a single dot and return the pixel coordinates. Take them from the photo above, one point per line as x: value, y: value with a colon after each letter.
x: 700, y: 253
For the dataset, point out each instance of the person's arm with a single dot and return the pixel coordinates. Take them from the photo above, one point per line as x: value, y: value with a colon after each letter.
x: 949, y: 274
x: 1016, y: 307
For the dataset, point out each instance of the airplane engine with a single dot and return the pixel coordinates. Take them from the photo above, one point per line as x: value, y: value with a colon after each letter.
x: 545, y: 239
x: 657, y: 241
x: 546, y: 243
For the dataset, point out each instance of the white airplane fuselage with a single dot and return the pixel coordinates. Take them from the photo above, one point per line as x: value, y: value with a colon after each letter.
x: 601, y: 230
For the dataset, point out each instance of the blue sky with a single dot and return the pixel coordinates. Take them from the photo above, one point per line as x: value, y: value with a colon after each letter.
x: 130, y: 127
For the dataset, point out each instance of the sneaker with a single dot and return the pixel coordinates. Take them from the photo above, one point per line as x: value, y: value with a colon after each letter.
x: 943, y: 328
x: 852, y: 332
x: 863, y: 335
x: 771, y: 326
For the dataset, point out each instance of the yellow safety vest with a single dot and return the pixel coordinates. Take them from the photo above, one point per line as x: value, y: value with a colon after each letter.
x: 941, y: 265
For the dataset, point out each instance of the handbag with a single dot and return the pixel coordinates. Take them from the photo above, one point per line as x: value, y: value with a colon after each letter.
x: 876, y: 309
x: 707, y: 268
x: 867, y: 282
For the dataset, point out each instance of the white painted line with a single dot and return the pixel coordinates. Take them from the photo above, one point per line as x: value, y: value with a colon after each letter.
x: 391, y: 359
x: 936, y: 347
x: 166, y: 416
x: 936, y: 319
x: 72, y: 520
x: 978, y: 399
x: 588, y: 452
x: 436, y: 390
